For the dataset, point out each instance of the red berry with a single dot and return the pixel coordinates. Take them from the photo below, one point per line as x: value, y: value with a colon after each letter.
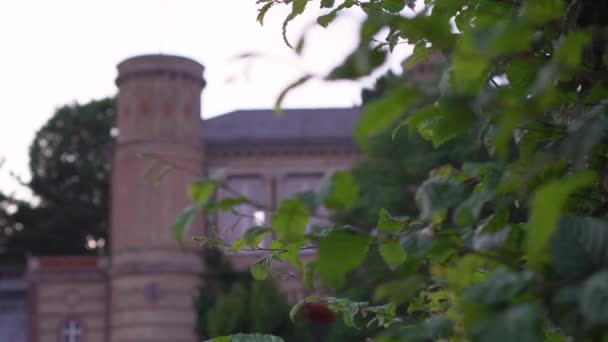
x: 318, y: 313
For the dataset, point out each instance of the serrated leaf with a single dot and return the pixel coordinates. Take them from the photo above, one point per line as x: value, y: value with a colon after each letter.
x: 262, y: 12
x: 546, y: 208
x: 290, y: 220
x: 392, y: 254
x: 297, y: 8
x: 339, y: 253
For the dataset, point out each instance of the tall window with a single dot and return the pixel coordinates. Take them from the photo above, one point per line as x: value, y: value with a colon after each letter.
x: 71, y: 331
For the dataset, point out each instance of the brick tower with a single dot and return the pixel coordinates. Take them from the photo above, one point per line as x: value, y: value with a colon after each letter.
x: 152, y: 281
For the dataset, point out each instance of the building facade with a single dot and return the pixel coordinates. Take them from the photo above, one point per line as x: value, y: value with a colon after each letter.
x: 144, y: 289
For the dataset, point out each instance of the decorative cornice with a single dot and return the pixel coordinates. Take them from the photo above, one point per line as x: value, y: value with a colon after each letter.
x: 280, y: 148
x: 153, y: 269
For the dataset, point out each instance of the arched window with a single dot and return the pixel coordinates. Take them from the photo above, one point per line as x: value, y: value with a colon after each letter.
x: 71, y: 331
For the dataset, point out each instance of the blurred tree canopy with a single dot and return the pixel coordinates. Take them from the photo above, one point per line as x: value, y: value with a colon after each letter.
x: 70, y: 170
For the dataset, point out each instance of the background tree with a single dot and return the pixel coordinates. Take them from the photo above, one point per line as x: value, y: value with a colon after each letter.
x: 70, y: 168
x: 230, y: 302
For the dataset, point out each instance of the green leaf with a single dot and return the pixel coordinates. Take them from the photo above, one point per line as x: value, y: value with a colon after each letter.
x: 327, y: 3
x: 309, y: 275
x: 399, y: 291
x: 290, y: 220
x: 392, y: 254
x: 393, y: 5
x: 469, y: 73
x: 437, y: 194
x: 416, y: 245
x: 538, y: 12
x: 518, y: 323
x: 499, y: 287
x: 326, y: 19
x: 570, y: 50
x: 546, y: 210
x: 594, y: 299
x: 340, y: 191
x: 390, y: 224
x: 420, y: 54
x: 262, y: 12
x: 468, y: 211
x: 252, y: 238
x: 442, y: 123
x: 247, y: 338
x: 385, y: 314
x: 339, y: 253
x: 227, y: 203
x: 522, y: 74
x: 469, y: 270
x: 297, y: 8
x: 183, y: 222
x: 202, y: 190
x: 358, y: 64
x: 378, y: 115
x: 435, y: 29
x: 259, y: 269
x: 300, y: 81
x: 580, y: 247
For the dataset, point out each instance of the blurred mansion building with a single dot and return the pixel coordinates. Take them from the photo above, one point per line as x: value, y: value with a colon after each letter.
x: 144, y: 290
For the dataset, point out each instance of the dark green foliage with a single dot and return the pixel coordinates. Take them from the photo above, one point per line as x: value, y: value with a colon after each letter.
x: 230, y: 301
x: 229, y: 314
x: 70, y: 168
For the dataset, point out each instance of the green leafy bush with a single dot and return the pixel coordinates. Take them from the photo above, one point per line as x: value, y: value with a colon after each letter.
x: 511, y: 247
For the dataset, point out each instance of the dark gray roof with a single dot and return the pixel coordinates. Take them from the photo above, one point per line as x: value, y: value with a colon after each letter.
x: 264, y: 126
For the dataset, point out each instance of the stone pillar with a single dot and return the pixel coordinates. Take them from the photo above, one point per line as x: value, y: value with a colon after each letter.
x: 153, y: 281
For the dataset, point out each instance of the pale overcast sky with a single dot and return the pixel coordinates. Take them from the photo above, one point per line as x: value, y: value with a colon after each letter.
x: 60, y: 51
